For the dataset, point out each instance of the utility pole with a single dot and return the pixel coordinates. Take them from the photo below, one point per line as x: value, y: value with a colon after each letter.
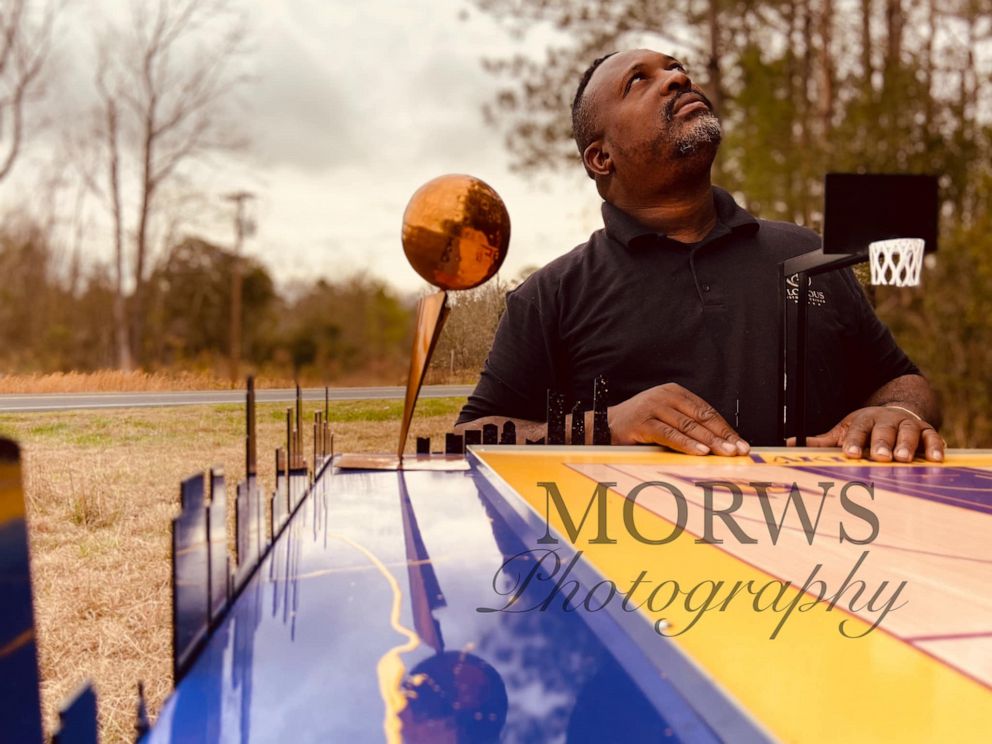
x: 244, y: 227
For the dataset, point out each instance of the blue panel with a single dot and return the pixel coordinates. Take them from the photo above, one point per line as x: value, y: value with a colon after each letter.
x: 243, y: 541
x: 20, y: 706
x: 278, y: 507
x: 190, y: 574
x: 77, y: 720
x: 263, y: 518
x: 192, y: 493
x: 251, y: 534
x: 220, y: 570
x: 299, y: 480
x: 309, y: 646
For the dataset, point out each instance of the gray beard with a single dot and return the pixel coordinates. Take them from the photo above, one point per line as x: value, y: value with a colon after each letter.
x: 700, y: 131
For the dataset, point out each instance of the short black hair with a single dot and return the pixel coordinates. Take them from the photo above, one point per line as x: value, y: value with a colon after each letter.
x: 582, y: 120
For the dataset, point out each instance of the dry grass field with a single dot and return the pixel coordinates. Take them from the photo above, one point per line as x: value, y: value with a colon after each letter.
x: 116, y: 381
x: 101, y: 488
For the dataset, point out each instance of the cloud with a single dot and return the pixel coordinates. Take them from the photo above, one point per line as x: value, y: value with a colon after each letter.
x: 382, y: 84
x: 301, y: 114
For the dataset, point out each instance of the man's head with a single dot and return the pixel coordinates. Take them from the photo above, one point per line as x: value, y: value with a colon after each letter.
x: 638, y: 120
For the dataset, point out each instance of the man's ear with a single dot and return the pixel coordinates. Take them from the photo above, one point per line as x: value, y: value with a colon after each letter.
x: 597, y: 159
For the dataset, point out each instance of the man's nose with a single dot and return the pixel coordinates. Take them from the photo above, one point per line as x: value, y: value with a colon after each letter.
x: 674, y: 81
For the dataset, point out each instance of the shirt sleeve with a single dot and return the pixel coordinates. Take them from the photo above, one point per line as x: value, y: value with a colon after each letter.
x: 877, y: 358
x: 521, y: 366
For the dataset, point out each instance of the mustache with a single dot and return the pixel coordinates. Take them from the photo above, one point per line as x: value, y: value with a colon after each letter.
x: 669, y: 110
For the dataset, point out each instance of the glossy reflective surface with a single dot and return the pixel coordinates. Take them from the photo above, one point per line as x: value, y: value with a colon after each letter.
x: 456, y: 231
x: 363, y: 625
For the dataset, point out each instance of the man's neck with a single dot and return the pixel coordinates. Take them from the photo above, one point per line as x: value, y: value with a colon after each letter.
x: 687, y: 214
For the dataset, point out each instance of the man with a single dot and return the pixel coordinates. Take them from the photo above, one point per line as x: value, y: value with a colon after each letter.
x: 677, y: 302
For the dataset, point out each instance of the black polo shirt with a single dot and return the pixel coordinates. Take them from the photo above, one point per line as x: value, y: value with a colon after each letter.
x: 644, y: 309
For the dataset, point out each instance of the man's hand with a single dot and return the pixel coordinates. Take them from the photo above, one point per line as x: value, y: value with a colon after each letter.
x: 671, y: 415
x: 886, y: 433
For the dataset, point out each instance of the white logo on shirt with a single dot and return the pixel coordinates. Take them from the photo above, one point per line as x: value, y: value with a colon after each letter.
x: 815, y: 297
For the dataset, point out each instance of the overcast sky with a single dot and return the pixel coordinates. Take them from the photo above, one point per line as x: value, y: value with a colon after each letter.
x: 352, y: 106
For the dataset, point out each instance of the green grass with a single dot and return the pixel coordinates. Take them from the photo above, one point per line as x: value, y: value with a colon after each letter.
x: 366, y: 410
x: 93, y: 439
x: 84, y: 429
x: 53, y: 428
x: 88, y: 429
x: 228, y: 407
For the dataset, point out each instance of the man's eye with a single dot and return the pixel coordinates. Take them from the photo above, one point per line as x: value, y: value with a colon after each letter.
x: 680, y: 67
x: 635, y: 76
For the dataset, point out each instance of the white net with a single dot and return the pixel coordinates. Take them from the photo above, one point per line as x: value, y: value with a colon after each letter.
x: 896, y: 262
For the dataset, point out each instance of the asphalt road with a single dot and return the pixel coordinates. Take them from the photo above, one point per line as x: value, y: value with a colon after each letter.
x: 82, y: 401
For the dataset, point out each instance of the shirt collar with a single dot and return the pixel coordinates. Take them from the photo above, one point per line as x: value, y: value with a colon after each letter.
x: 730, y: 217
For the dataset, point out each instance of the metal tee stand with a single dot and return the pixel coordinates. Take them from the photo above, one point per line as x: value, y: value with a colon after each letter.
x: 860, y: 209
x: 804, y: 266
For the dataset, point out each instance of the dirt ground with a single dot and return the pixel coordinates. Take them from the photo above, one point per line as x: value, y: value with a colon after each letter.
x: 101, y: 488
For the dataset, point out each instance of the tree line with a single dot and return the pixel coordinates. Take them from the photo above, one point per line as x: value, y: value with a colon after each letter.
x: 163, y: 80
x: 59, y: 318
x: 805, y: 87
x: 160, y: 104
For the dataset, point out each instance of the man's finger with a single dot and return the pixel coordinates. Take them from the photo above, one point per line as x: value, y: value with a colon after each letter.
x: 856, y: 437
x: 702, y: 412
x: 695, y: 431
x: 658, y: 432
x: 907, y: 440
x: 883, y: 440
x: 933, y: 445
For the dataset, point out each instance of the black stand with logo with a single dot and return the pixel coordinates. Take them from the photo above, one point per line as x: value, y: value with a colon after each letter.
x: 859, y: 208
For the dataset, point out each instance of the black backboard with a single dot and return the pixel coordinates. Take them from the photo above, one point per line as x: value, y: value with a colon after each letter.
x: 860, y: 208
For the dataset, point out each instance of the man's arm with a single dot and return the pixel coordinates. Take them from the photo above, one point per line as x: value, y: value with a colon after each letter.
x: 911, y: 392
x: 898, y: 420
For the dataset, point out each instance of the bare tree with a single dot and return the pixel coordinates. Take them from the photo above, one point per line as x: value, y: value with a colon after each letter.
x: 163, y: 84
x: 24, y: 47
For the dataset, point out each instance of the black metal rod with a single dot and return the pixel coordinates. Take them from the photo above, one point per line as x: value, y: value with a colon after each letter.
x: 803, y: 266
x: 818, y: 262
x: 783, y: 360
x: 801, y: 343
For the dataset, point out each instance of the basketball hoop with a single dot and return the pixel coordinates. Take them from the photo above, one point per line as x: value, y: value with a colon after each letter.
x: 896, y: 262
